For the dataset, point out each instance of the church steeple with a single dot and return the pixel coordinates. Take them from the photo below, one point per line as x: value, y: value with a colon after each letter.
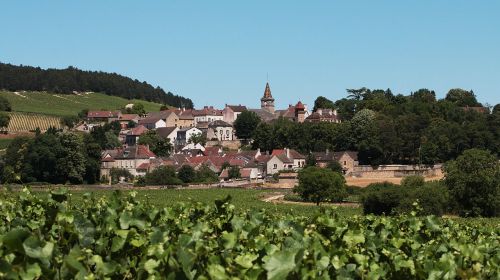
x: 267, y: 101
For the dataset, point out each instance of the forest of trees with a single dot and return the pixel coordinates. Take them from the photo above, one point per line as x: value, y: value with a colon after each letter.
x: 71, y: 79
x: 386, y: 128
x: 58, y: 157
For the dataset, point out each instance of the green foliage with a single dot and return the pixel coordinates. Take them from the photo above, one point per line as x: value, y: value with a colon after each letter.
x: 391, y: 199
x: 391, y: 129
x: 163, y: 175
x: 413, y: 181
x: 49, y: 103
x: 319, y: 184
x: 117, y: 173
x: 5, y: 104
x: 474, y: 183
x: 4, y: 120
x: 233, y: 172
x: 335, y: 166
x: 323, y: 103
x: 310, y: 160
x: 432, y: 198
x: 245, y: 124
x: 205, y: 175
x: 158, y: 145
x: 136, y: 109
x: 71, y: 79
x: 383, y: 200
x: 187, y: 174
x: 462, y: 97
x: 198, y: 138
x: 69, y: 121
x: 54, y: 157
x: 121, y: 237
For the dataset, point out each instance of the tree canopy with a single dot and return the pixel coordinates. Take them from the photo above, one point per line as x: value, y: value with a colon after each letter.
x: 474, y: 183
x: 158, y: 145
x: 321, y: 184
x: 392, y: 129
x: 245, y: 124
x: 71, y: 79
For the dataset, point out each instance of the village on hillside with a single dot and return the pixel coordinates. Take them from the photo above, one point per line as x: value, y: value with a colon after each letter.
x: 207, y: 138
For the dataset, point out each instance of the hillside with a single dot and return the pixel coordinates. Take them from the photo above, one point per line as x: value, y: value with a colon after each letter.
x: 71, y: 79
x: 68, y: 104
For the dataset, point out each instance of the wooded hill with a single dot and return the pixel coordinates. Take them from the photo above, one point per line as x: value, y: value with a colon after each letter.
x: 66, y: 81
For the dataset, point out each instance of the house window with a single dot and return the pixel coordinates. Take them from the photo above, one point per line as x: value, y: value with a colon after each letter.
x: 275, y: 166
x: 345, y: 162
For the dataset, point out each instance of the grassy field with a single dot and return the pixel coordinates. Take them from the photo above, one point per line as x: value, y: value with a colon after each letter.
x: 69, y: 104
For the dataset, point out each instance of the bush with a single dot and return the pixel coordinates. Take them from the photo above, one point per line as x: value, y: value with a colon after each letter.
x: 413, y: 181
x: 354, y: 190
x: 140, y: 181
x: 473, y: 180
x: 392, y: 199
x: 293, y: 197
x: 319, y: 184
x: 233, y: 172
x: 433, y: 199
x: 335, y: 166
x: 382, y: 201
x: 379, y: 186
x: 163, y: 175
x: 117, y: 173
x: 206, y: 175
x: 187, y: 174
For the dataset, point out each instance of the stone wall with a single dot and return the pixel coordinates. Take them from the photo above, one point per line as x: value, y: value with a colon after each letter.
x: 385, y: 171
x: 231, y: 145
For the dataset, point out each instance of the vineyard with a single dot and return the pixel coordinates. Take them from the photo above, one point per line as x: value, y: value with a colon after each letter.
x: 29, y: 122
x: 120, y: 237
x: 68, y: 104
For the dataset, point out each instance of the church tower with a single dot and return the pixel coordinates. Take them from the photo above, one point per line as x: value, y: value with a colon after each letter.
x: 267, y: 101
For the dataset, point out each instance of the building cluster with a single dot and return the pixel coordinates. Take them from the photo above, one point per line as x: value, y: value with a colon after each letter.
x: 216, y: 125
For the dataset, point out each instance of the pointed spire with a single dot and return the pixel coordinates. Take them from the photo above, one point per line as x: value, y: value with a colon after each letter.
x: 267, y: 91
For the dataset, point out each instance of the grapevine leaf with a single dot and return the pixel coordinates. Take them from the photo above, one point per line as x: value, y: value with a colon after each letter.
x: 279, y: 264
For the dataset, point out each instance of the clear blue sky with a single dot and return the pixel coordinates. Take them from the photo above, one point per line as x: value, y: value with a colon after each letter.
x: 218, y: 52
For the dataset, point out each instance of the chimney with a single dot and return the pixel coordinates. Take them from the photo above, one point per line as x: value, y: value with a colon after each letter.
x: 327, y: 151
x: 287, y: 151
x: 320, y: 111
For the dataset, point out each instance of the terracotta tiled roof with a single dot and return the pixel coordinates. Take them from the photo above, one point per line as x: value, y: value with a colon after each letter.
x: 211, y: 151
x: 293, y: 154
x: 143, y: 166
x: 135, y: 152
x: 324, y: 156
x: 284, y: 158
x: 237, y: 108
x: 128, y: 117
x: 102, y: 114
x: 186, y: 115
x: 263, y: 158
x: 164, y: 132
x: 149, y: 120
x: 138, y: 130
x: 244, y: 173
x: 144, y: 152
x: 207, y: 111
x: 299, y: 106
